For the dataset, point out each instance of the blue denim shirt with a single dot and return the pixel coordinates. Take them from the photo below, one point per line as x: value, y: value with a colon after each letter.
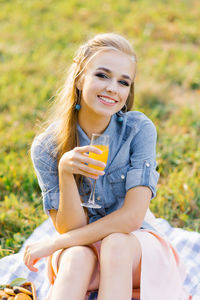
x: 131, y: 163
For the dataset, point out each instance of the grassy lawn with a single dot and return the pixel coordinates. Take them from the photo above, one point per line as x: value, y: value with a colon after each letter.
x: 37, y: 43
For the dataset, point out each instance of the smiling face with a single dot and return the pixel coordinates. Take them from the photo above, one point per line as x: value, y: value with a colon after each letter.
x: 105, y: 84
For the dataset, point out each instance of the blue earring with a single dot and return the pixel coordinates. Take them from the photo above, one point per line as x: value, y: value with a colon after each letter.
x: 120, y: 119
x: 77, y: 107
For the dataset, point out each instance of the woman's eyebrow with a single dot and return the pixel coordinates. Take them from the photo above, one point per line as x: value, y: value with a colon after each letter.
x: 109, y: 71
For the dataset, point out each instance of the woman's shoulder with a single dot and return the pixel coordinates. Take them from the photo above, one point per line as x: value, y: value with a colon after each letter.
x: 45, y: 141
x: 138, y: 119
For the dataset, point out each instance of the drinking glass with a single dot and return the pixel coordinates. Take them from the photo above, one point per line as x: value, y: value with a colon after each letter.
x: 101, y: 142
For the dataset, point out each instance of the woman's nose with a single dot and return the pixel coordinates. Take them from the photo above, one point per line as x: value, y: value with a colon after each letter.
x: 112, y: 87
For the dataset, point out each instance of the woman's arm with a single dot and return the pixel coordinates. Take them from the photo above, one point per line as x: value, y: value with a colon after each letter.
x: 126, y: 219
x: 70, y: 214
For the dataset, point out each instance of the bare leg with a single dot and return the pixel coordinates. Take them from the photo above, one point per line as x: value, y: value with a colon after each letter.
x: 76, y: 266
x: 120, y: 259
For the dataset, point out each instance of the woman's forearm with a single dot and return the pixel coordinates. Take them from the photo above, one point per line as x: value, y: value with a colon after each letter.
x: 124, y: 220
x: 90, y: 233
x: 70, y: 214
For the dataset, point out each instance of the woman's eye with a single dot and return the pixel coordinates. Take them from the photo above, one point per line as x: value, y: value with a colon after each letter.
x: 101, y: 75
x: 123, y: 82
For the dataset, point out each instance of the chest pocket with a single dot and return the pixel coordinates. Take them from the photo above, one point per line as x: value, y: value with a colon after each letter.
x: 117, y: 180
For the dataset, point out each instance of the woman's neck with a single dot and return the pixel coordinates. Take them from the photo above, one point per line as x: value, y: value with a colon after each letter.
x: 93, y: 123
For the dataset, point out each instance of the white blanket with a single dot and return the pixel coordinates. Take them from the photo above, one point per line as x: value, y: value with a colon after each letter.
x: 187, y: 244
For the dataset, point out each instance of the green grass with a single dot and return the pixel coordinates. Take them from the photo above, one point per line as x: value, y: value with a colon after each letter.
x: 38, y: 39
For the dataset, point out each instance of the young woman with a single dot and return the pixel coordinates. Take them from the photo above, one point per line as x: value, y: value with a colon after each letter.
x: 114, y: 249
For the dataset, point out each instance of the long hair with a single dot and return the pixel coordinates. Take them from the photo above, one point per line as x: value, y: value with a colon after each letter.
x: 63, y: 110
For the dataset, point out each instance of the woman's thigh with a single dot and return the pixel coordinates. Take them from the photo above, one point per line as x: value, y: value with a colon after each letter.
x: 124, y: 249
x: 75, y: 259
x: 118, y: 241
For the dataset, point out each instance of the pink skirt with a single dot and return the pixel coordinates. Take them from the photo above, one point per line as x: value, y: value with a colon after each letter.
x: 162, y: 271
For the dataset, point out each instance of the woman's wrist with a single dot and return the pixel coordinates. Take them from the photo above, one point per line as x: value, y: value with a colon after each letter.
x: 60, y: 242
x: 62, y: 170
x: 55, y: 244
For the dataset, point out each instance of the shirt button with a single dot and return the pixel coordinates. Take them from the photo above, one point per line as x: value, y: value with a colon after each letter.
x: 148, y: 165
x: 122, y: 177
x: 98, y: 198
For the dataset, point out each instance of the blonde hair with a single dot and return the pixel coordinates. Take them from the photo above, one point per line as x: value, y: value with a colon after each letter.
x: 63, y: 109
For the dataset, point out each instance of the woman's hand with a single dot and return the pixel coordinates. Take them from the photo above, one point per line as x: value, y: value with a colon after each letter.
x: 76, y: 162
x: 36, y: 251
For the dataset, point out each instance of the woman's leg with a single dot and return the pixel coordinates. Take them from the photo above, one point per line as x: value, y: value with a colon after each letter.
x: 120, y: 266
x: 76, y: 266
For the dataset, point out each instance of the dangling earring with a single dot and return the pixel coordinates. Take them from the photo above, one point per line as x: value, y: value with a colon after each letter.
x: 120, y: 118
x: 78, y: 106
x: 124, y: 108
x: 120, y: 113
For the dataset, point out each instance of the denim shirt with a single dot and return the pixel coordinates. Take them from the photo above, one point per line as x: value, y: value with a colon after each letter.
x: 131, y: 162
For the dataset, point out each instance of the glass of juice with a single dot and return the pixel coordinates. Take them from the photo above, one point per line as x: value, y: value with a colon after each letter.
x: 101, y: 142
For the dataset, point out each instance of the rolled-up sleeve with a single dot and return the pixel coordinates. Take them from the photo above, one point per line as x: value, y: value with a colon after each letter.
x: 45, y: 166
x: 142, y: 171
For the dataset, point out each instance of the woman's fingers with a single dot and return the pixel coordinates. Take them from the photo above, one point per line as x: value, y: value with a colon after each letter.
x: 91, y: 161
x: 78, y: 167
x: 88, y: 148
x: 31, y: 265
x: 29, y: 260
x: 87, y: 169
x: 26, y: 254
x: 77, y: 161
x: 88, y: 175
x: 81, y: 154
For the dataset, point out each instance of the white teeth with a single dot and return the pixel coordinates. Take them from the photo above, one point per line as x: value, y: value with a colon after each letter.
x: 107, y: 100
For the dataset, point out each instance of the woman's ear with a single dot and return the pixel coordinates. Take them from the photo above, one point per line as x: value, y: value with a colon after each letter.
x: 79, y: 83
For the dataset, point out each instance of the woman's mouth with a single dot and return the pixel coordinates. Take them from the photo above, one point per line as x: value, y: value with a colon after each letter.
x: 107, y: 101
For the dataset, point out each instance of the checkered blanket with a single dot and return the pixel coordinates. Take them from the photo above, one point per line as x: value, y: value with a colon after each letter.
x: 187, y: 244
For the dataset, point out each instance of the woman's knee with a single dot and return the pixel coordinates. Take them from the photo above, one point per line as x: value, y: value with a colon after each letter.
x: 115, y: 249
x: 77, y: 258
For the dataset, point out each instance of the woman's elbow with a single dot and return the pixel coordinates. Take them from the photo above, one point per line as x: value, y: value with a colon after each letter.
x: 133, y: 223
x: 62, y: 227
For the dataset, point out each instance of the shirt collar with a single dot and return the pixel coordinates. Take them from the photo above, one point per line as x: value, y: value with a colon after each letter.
x: 110, y: 130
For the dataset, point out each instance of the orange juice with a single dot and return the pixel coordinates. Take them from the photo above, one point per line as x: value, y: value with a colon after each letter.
x: 101, y: 157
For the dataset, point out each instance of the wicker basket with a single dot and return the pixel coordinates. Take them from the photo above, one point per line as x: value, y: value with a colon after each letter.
x: 30, y: 286
x: 8, y: 290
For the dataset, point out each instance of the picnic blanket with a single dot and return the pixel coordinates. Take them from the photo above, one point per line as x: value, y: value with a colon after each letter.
x: 187, y: 244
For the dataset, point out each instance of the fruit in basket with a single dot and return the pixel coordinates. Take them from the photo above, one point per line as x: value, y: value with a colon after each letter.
x: 9, y: 291
x: 22, y: 296
x: 3, y: 294
x: 19, y: 289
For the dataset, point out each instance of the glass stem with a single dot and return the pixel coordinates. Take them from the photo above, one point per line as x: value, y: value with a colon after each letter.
x: 92, y: 195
